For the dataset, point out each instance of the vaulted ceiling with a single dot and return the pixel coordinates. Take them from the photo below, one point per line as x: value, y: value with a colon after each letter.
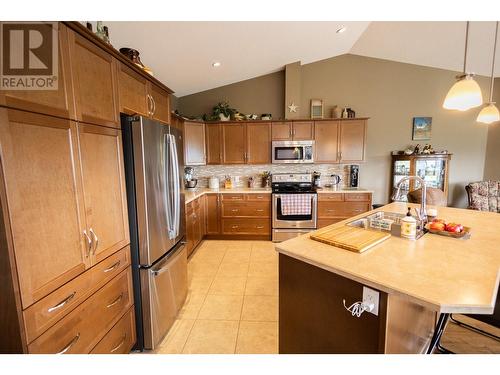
x: 181, y: 54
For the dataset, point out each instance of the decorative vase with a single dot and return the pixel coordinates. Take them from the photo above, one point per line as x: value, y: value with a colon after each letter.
x: 224, y: 118
x: 337, y: 112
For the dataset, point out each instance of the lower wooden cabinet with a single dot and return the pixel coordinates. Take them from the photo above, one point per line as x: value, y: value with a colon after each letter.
x: 87, y: 324
x: 213, y: 214
x: 121, y: 338
x: 336, y: 207
x: 195, y: 223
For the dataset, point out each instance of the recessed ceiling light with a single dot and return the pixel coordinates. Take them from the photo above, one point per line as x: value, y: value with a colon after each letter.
x: 216, y: 64
x: 341, y: 30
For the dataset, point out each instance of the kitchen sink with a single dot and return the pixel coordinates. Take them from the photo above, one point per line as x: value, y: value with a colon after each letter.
x: 389, y: 222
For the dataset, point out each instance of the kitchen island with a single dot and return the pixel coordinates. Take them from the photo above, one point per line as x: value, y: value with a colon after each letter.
x: 419, y: 283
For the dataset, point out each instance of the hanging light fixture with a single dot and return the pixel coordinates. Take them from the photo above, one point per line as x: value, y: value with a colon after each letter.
x: 465, y: 93
x: 490, y: 113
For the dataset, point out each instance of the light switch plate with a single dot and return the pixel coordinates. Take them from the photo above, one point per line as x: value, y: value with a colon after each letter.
x: 371, y: 296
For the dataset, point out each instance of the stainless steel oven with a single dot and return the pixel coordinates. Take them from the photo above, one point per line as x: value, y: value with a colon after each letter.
x: 293, y: 151
x: 286, y: 226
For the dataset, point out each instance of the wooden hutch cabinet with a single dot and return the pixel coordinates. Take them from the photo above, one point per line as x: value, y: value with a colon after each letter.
x: 433, y: 168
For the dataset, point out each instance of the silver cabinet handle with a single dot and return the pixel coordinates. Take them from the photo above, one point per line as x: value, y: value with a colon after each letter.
x: 62, y: 303
x: 154, y: 105
x: 259, y: 210
x: 235, y: 227
x: 117, y: 300
x: 113, y: 267
x: 260, y: 227
x: 120, y: 344
x: 89, y: 242
x: 260, y: 197
x: 70, y: 344
x: 96, y: 240
x: 148, y: 104
x: 235, y: 210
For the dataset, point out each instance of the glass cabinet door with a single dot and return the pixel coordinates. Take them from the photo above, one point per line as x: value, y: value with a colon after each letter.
x: 432, y: 171
x: 401, y: 169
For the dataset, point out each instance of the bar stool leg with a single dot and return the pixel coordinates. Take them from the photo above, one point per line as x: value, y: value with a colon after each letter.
x: 438, y: 332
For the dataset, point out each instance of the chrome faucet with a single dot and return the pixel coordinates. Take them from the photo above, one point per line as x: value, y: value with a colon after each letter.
x: 422, y: 213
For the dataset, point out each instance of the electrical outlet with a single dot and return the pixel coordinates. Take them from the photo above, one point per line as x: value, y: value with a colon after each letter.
x: 371, y: 296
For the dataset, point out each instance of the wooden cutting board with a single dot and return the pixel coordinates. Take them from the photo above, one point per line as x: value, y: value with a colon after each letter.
x: 350, y: 238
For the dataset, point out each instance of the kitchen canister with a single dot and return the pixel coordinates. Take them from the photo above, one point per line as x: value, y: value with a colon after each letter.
x: 213, y: 182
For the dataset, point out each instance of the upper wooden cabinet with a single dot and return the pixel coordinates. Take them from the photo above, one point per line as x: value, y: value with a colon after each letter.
x: 160, y: 102
x: 233, y: 143
x: 52, y: 102
x: 326, y: 141
x: 194, y: 143
x: 352, y: 141
x: 104, y: 189
x: 44, y: 194
x: 296, y: 130
x: 133, y: 91
x: 258, y: 143
x: 213, y: 140
x: 94, y: 81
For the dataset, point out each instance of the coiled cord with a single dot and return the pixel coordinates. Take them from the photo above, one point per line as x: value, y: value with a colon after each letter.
x: 358, y: 308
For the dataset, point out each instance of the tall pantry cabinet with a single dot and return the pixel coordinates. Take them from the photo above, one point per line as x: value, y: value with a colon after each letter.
x: 65, y: 277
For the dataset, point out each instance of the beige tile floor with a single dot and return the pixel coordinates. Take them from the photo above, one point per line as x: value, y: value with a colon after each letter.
x: 232, y: 302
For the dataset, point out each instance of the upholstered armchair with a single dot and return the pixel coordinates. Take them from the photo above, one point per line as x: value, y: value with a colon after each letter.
x: 484, y: 196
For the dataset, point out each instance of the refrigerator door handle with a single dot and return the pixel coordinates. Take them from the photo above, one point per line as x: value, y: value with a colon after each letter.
x: 176, y: 188
x: 168, y: 203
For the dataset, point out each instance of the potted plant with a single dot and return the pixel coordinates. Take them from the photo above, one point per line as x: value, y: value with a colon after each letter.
x: 223, y: 112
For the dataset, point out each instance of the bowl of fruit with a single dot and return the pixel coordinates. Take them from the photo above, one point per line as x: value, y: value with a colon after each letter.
x: 443, y: 228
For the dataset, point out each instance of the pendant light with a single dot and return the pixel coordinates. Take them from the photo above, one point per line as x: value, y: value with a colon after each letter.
x: 490, y: 112
x: 465, y: 93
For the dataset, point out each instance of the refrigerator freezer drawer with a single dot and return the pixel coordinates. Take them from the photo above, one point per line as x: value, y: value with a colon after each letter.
x: 164, y: 290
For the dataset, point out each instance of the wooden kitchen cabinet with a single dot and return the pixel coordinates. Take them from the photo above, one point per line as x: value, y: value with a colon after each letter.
x: 194, y: 143
x: 195, y: 223
x: 234, y: 143
x: 104, y: 189
x: 133, y: 91
x: 213, y: 214
x: 160, y: 103
x: 51, y: 102
x: 282, y: 131
x: 289, y: 131
x: 213, y: 140
x: 335, y: 207
x: 94, y: 81
x: 258, y: 143
x: 352, y: 141
x: 40, y: 162
x: 326, y: 134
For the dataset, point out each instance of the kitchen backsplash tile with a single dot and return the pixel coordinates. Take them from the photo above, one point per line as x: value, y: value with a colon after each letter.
x: 203, y: 173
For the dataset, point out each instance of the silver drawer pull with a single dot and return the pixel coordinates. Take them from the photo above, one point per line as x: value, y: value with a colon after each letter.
x: 62, y: 303
x: 113, y: 267
x: 260, y: 227
x: 71, y: 343
x: 119, y: 345
x: 235, y: 210
x: 235, y: 227
x: 235, y: 197
x: 260, y: 197
x: 117, y: 300
x: 260, y: 210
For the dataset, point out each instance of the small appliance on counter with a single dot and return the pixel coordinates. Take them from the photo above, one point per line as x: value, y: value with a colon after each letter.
x: 335, y: 180
x: 354, y: 176
x: 317, y: 179
x: 189, y: 181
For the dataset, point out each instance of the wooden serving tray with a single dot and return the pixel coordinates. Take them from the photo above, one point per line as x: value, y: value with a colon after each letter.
x: 465, y: 234
x: 350, y: 238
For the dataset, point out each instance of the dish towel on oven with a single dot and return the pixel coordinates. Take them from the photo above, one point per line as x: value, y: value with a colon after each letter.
x: 296, y: 204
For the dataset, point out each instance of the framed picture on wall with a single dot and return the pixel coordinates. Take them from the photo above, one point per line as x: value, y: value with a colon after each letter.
x: 316, y: 108
x: 421, y: 128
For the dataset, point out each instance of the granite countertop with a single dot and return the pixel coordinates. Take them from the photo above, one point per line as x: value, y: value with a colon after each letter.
x: 191, y: 195
x: 443, y: 274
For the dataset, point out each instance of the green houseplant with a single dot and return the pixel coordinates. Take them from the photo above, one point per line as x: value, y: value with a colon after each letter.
x: 222, y: 111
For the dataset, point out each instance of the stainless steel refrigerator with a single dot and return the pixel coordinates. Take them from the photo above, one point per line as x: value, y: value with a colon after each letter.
x: 153, y: 161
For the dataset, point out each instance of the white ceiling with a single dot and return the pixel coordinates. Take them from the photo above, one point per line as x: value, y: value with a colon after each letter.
x: 181, y: 53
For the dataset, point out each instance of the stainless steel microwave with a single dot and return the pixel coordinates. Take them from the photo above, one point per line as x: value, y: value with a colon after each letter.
x: 293, y: 151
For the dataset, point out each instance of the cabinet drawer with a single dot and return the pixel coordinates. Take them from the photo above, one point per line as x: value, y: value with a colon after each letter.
x: 355, y: 197
x: 232, y: 197
x: 265, y: 197
x: 334, y: 197
x: 84, y: 327
x: 246, y: 226
x: 246, y: 209
x: 341, y: 209
x: 43, y: 314
x: 121, y: 338
x: 326, y: 222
